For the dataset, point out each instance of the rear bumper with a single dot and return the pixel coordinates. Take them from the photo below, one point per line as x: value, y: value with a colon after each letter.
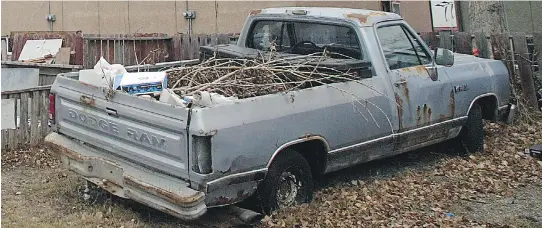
x: 164, y: 193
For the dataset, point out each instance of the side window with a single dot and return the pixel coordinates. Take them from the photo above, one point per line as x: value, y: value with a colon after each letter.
x: 400, y: 48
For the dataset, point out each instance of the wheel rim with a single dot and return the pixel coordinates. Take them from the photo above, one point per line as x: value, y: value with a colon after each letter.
x: 288, y: 189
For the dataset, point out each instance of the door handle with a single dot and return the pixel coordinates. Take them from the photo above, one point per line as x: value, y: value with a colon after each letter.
x: 111, y: 112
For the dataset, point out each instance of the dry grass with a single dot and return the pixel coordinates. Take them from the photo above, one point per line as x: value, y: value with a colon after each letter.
x: 499, y: 188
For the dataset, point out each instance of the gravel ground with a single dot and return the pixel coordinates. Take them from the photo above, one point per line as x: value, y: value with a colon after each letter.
x: 431, y: 187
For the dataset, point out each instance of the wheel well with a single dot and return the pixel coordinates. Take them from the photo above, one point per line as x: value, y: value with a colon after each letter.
x: 314, y: 151
x: 489, y: 107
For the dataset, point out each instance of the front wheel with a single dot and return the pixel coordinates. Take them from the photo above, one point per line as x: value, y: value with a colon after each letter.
x: 288, y: 182
x: 472, y: 134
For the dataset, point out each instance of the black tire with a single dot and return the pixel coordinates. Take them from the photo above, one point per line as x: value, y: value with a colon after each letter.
x: 294, y: 168
x: 472, y: 133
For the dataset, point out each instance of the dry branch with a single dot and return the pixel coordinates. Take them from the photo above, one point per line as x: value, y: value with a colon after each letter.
x: 244, y: 78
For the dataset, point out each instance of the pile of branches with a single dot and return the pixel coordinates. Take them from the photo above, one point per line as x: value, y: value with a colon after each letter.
x: 243, y: 78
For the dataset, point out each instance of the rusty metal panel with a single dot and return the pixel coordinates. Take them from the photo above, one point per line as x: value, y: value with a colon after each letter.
x: 70, y: 39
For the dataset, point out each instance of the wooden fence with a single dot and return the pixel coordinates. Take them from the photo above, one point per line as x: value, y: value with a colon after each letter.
x: 31, y: 118
x: 139, y: 49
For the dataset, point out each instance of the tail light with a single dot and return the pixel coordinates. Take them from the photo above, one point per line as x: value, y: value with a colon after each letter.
x: 201, y: 146
x: 52, y: 110
x: 476, y: 52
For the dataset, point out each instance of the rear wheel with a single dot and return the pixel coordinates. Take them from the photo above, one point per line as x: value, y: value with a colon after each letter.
x: 288, y: 182
x: 472, y: 134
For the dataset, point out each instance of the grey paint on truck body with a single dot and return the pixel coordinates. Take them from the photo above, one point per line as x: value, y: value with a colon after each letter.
x: 354, y: 123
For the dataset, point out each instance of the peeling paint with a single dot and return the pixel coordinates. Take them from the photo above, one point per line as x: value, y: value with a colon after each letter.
x: 452, y: 103
x: 399, y: 110
x: 360, y: 17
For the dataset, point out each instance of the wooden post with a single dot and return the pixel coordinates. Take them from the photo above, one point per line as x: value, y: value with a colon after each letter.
x: 34, y: 117
x: 12, y: 133
x: 45, y: 113
x: 525, y: 71
x: 24, y: 131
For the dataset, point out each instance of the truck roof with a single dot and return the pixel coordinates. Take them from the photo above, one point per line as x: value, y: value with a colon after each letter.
x: 363, y: 16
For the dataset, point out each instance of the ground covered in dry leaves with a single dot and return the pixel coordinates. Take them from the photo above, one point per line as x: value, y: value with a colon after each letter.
x: 432, y: 187
x: 498, y: 188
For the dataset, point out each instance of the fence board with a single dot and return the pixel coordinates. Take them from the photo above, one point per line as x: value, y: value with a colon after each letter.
x: 34, y: 117
x: 4, y: 139
x: 482, y: 44
x: 4, y: 132
x: 12, y: 133
x: 44, y: 116
x: 24, y: 129
x: 445, y: 38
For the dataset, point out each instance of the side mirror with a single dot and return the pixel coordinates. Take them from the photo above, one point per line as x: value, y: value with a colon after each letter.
x: 444, y: 57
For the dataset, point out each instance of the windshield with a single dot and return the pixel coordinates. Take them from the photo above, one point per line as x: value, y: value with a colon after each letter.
x: 304, y: 38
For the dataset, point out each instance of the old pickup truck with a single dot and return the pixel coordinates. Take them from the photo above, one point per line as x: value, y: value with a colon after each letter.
x: 184, y: 160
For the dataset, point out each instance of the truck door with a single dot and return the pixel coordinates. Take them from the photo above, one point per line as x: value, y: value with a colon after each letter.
x: 424, y: 93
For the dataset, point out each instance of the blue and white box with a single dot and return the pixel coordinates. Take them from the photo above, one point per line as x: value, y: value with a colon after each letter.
x: 141, y: 83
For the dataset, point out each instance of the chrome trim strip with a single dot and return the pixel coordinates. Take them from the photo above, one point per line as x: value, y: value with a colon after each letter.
x: 396, y: 134
x: 432, y: 125
x: 480, y: 96
x: 236, y: 175
x: 312, y: 137
x: 361, y: 144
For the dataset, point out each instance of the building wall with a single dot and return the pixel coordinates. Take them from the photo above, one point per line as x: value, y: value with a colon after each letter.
x: 521, y: 16
x: 125, y: 17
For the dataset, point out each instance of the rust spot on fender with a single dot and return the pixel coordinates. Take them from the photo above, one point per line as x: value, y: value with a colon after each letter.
x: 452, y: 103
x: 255, y: 12
x: 399, y: 110
x: 418, y: 115
x: 360, y: 17
x: 407, y: 93
x: 423, y: 115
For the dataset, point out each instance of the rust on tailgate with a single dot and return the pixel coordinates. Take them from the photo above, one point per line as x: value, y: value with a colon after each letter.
x: 163, y: 193
x: 88, y: 100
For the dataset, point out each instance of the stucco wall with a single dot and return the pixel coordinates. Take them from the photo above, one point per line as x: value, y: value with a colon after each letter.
x: 123, y: 17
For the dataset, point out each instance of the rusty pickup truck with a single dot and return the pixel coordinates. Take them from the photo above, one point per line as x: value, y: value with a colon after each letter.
x: 184, y: 160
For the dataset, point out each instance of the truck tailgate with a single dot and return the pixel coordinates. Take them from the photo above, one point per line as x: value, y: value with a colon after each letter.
x: 144, y: 132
